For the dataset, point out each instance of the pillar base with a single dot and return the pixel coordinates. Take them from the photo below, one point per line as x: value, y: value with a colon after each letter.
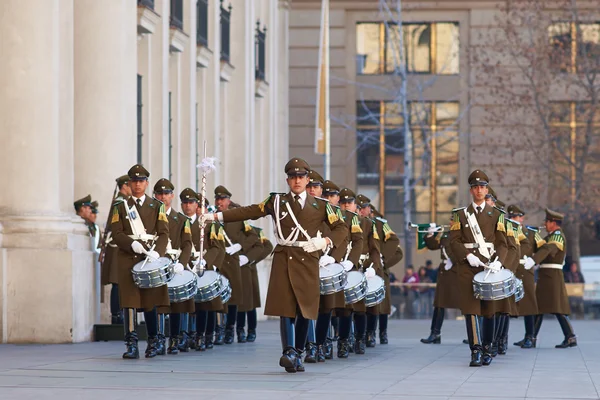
x: 47, y: 277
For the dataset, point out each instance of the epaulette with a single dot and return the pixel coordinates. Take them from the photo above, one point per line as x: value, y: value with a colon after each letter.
x: 265, y: 201
x: 457, y: 209
x: 532, y: 228
x: 499, y: 209
x: 557, y: 240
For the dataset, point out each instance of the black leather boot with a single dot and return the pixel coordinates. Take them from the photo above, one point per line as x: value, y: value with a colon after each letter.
x: 220, y: 330
x: 251, y: 336
x: 320, y: 353
x: 200, y: 343
x: 371, y: 341
x: 289, y: 360
x: 568, y: 342
x: 527, y: 343
x: 151, y: 347
x: 487, y: 355
x: 475, y: 358
x: 131, y: 338
x: 161, y: 344
x: 241, y: 335
x: 521, y: 342
x: 437, y: 319
x: 351, y: 343
x: 570, y: 338
x: 193, y: 335
x: 299, y: 365
x: 173, y: 345
x: 192, y: 340
x: 474, y: 339
x: 343, y: 348
x: 311, y: 353
x: 184, y: 344
x: 383, y: 338
x: 359, y: 345
x: 208, y: 338
x: 433, y: 338
x: 328, y: 349
x: 229, y: 335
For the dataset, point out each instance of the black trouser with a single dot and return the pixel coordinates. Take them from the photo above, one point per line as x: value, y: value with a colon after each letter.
x: 201, y: 321
x: 563, y: 320
x: 383, y: 322
x: 371, y: 322
x: 361, y: 324
x: 174, y: 324
x: 231, y: 316
x: 489, y: 331
x: 473, y: 331
x: 211, y: 322
x: 344, y: 327
x: 335, y: 323
x: 323, y: 322
x: 505, y: 326
x: 529, y: 325
x: 437, y: 320
x: 151, y: 319
x: 115, y: 307
x: 241, y: 320
x: 252, y: 320
x: 293, y: 332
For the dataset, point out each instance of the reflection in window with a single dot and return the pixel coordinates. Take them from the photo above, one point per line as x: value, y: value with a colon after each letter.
x: 435, y: 155
x: 429, y: 48
x: 575, y: 47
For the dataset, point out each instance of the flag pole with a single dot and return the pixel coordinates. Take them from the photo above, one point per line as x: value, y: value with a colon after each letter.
x: 322, y: 122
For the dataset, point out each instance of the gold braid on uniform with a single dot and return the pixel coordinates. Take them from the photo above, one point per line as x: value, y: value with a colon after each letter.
x: 264, y: 203
x: 510, y: 231
x: 355, y: 225
x: 455, y: 222
x: 500, y: 226
x: 187, y: 227
x: 557, y: 240
x: 247, y: 227
x: 539, y: 242
x: 331, y: 214
x: 221, y: 236
x: 338, y: 211
x: 520, y: 234
x: 213, y: 232
x: 387, y: 231
x: 115, y: 216
x: 162, y: 215
x: 375, y: 234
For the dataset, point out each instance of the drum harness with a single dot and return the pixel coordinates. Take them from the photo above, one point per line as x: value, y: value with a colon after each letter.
x: 486, y: 249
x: 137, y: 227
x: 292, y: 239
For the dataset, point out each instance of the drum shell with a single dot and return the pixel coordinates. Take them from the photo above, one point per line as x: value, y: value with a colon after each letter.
x: 519, y: 291
x: 227, y: 291
x: 151, y: 276
x: 332, y: 283
x: 495, y: 287
x: 209, y: 287
x: 376, y: 292
x: 130, y: 295
x: 358, y: 291
x: 186, y: 287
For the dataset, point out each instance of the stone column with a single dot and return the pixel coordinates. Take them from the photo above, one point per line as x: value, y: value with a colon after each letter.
x: 46, y: 272
x: 105, y: 43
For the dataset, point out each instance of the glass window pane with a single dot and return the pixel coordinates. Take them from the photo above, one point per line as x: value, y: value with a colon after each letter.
x: 447, y: 48
x: 560, y: 113
x: 368, y: 113
x: 367, y: 48
x: 394, y: 157
x: 420, y: 114
x: 446, y: 113
x: 393, y: 114
x: 559, y: 35
x: 392, y: 48
x: 417, y: 41
x: 367, y: 157
x: 588, y: 48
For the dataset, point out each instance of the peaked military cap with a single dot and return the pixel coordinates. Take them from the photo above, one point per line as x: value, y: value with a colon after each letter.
x: 86, y: 201
x: 330, y: 188
x: 553, y: 215
x: 297, y: 167
x: 514, y: 210
x: 314, y: 179
x: 122, y: 180
x: 163, y: 185
x: 363, y: 201
x: 347, y: 196
x: 221, y: 192
x: 138, y: 173
x: 94, y: 206
x: 492, y: 194
x: 478, y: 178
x: 188, y: 195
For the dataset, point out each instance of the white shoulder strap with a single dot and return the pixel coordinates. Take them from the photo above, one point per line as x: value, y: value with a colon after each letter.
x: 135, y: 221
x: 477, y: 235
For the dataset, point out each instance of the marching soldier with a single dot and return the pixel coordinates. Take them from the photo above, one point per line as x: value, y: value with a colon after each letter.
x: 139, y: 226
x: 214, y: 246
x: 551, y: 292
x: 529, y: 239
x: 179, y: 249
x: 109, y: 271
x: 294, y: 283
x: 478, y: 241
x: 445, y: 293
x: 235, y: 240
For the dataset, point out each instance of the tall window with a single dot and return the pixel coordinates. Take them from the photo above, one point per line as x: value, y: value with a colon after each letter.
x: 259, y: 51
x: 571, y: 135
x: 429, y: 48
x: 225, y: 32
x: 139, y: 119
x: 380, y: 155
x: 202, y: 23
x: 575, y: 46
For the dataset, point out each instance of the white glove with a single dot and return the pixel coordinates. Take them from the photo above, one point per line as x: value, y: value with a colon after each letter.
x: 432, y: 228
x: 152, y: 255
x: 200, y: 262
x: 347, y: 264
x: 243, y: 260
x: 326, y: 260
x: 494, y: 266
x: 447, y: 264
x: 529, y: 263
x: 208, y: 217
x: 234, y: 248
x: 137, y: 247
x: 370, y: 272
x: 315, y: 244
x: 474, y: 261
x: 178, y: 268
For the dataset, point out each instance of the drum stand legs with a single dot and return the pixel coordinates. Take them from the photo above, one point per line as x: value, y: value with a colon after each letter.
x: 437, y: 320
x: 131, y: 337
x: 474, y: 337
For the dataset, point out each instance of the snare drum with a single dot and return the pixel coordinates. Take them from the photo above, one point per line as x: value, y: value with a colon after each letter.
x: 519, y: 290
x: 182, y: 287
x: 375, y: 291
x: 333, y: 278
x: 496, y: 286
x: 356, y: 287
x: 152, y: 274
x: 209, y: 287
x: 226, y: 289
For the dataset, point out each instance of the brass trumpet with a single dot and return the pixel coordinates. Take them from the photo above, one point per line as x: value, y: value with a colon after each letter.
x: 438, y: 228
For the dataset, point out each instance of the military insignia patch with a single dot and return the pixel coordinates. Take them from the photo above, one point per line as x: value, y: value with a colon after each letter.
x: 186, y: 228
x: 355, y: 225
x: 115, y: 216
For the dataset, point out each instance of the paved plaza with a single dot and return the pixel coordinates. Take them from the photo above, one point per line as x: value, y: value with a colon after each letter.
x: 404, y: 369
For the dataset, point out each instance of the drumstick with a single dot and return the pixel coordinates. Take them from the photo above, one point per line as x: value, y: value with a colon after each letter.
x: 147, y: 253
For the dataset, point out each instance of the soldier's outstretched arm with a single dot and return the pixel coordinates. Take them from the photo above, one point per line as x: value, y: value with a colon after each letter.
x: 433, y: 242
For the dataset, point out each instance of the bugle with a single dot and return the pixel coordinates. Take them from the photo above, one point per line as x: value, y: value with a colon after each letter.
x: 438, y: 228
